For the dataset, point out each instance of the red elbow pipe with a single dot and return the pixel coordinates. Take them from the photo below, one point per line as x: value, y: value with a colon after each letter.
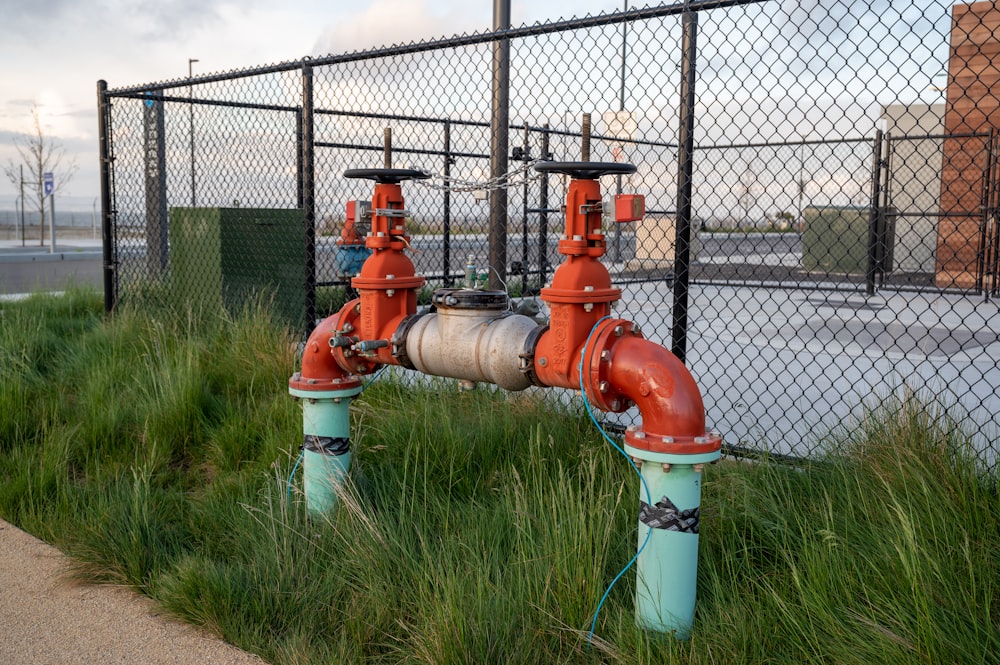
x: 664, y: 391
x: 620, y: 367
x: 320, y: 370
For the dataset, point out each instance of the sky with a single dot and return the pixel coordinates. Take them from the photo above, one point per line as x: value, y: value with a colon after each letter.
x: 54, y: 52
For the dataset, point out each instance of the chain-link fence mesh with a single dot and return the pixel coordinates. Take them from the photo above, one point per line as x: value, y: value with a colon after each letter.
x: 843, y: 198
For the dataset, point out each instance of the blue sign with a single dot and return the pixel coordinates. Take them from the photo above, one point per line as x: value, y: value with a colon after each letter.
x: 48, y: 183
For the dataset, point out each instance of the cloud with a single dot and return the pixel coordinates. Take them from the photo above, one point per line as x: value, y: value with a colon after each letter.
x: 149, y: 19
x: 387, y: 22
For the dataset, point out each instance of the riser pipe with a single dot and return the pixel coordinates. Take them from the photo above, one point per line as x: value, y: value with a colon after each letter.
x: 326, y: 427
x: 667, y: 567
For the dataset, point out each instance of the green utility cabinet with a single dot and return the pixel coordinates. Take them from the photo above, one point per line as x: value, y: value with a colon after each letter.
x: 228, y: 256
x: 835, y: 239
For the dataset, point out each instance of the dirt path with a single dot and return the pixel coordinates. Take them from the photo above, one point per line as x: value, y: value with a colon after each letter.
x: 45, y: 619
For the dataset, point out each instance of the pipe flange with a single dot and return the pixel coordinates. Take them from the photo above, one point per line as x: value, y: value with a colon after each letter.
x: 707, y: 444
x: 384, y: 283
x: 470, y: 299
x: 305, y: 385
x: 580, y: 297
x: 346, y: 324
x: 599, y: 355
x: 526, y: 359
x: 398, y: 340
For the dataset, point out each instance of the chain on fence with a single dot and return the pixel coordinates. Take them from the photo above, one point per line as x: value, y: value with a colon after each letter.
x: 842, y: 215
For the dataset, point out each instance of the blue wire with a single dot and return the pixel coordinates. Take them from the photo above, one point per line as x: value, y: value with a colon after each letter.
x: 295, y: 468
x: 645, y: 487
x: 375, y: 375
x: 292, y: 474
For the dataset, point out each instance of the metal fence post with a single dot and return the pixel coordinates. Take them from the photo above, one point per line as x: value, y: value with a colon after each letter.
x: 299, y: 154
x: 543, y: 218
x: 107, y: 239
x: 155, y: 162
x: 498, y: 146
x: 526, y: 157
x: 982, y: 255
x: 874, y: 215
x: 685, y: 168
x: 993, y: 207
x: 446, y: 240
x: 308, y: 194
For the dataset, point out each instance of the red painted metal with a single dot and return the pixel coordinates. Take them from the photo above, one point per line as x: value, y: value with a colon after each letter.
x: 320, y: 371
x: 387, y: 286
x: 349, y: 235
x: 620, y: 368
x: 629, y: 207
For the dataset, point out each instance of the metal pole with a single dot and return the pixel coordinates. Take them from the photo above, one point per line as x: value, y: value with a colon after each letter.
x: 685, y: 168
x: 22, y: 205
x: 104, y: 141
x: 982, y: 253
x: 299, y: 152
x: 498, y: 146
x: 309, y: 194
x: 801, y: 183
x: 52, y: 223
x: 994, y: 198
x: 524, y: 217
x: 873, y: 214
x: 155, y: 167
x: 446, y: 240
x: 543, y: 220
x: 191, y: 61
x: 616, y: 254
x: 885, y: 218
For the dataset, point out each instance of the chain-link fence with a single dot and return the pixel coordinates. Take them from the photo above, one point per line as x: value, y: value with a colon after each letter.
x: 820, y: 180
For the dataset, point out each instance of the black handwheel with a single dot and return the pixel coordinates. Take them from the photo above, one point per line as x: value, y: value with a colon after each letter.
x: 585, y: 170
x: 387, y: 176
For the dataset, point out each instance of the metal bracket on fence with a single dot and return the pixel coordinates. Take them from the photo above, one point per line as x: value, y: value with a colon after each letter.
x: 390, y: 212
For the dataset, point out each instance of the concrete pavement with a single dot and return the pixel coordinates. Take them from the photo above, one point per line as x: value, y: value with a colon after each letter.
x: 33, y: 268
x: 47, y: 619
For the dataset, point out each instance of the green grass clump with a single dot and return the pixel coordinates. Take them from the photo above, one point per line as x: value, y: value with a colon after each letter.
x: 155, y: 448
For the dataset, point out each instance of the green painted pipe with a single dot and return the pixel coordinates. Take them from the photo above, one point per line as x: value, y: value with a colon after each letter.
x: 326, y: 428
x: 667, y: 568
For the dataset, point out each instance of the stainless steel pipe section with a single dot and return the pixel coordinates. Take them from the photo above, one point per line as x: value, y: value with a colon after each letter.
x: 470, y: 342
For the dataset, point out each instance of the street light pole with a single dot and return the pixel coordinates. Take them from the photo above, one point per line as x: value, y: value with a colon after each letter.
x: 22, y: 205
x: 191, y: 61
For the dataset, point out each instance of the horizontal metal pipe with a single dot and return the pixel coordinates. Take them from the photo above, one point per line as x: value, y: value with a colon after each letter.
x: 472, y: 345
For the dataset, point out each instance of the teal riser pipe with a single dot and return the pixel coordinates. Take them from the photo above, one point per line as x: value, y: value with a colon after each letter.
x: 326, y: 426
x: 667, y: 568
x: 322, y: 476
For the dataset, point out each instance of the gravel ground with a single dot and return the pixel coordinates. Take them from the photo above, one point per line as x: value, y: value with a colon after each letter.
x: 47, y: 619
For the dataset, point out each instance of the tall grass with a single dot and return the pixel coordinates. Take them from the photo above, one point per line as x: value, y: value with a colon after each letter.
x: 155, y: 447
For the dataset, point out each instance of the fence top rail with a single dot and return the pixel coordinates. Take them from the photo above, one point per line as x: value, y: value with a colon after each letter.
x: 475, y: 38
x: 159, y: 97
x: 888, y: 137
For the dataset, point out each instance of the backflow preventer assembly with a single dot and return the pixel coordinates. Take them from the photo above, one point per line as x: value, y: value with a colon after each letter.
x: 473, y: 336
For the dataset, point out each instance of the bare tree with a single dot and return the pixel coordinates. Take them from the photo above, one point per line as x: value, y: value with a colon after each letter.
x: 39, y: 154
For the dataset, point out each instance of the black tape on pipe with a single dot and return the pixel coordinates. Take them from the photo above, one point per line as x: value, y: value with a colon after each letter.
x: 664, y: 515
x: 326, y: 445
